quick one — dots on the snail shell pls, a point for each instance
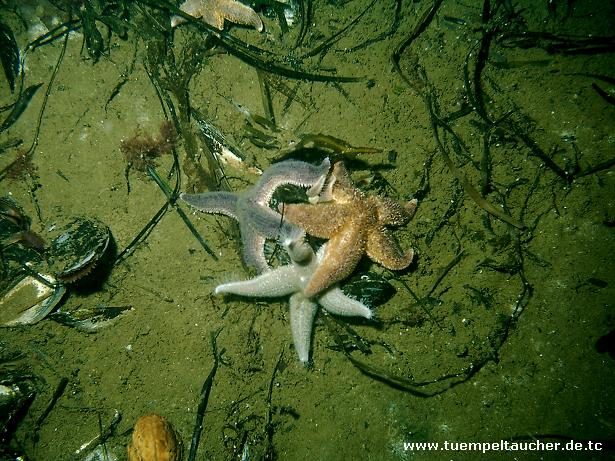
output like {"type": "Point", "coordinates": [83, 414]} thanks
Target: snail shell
{"type": "Point", "coordinates": [154, 439]}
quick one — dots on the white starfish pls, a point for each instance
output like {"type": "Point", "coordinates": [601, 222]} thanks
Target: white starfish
{"type": "Point", "coordinates": [291, 280]}
{"type": "Point", "coordinates": [215, 12]}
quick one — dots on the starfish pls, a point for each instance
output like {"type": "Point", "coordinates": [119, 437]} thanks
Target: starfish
{"type": "Point", "coordinates": [215, 12]}
{"type": "Point", "coordinates": [291, 280]}
{"type": "Point", "coordinates": [355, 224]}
{"type": "Point", "coordinates": [257, 221]}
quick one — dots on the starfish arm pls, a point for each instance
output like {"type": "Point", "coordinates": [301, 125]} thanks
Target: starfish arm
{"type": "Point", "coordinates": [281, 281]}
{"type": "Point", "coordinates": [298, 250]}
{"type": "Point", "coordinates": [263, 219]}
{"type": "Point", "coordinates": [293, 172]}
{"type": "Point", "coordinates": [238, 13]}
{"type": "Point", "coordinates": [336, 302]}
{"type": "Point", "coordinates": [326, 192]}
{"type": "Point", "coordinates": [382, 248]}
{"type": "Point", "coordinates": [392, 213]}
{"type": "Point", "coordinates": [342, 189]}
{"type": "Point", "coordinates": [321, 220]}
{"type": "Point", "coordinates": [213, 17]}
{"type": "Point", "coordinates": [342, 178]}
{"type": "Point", "coordinates": [191, 7]}
{"type": "Point", "coordinates": [253, 248]}
{"type": "Point", "coordinates": [213, 202]}
{"type": "Point", "coordinates": [343, 253]}
{"type": "Point", "coordinates": [302, 313]}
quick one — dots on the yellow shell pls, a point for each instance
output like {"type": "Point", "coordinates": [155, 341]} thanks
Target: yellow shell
{"type": "Point", "coordinates": [153, 439]}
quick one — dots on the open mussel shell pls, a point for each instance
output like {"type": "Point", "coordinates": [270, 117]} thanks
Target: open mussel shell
{"type": "Point", "coordinates": [29, 299]}
{"type": "Point", "coordinates": [78, 247]}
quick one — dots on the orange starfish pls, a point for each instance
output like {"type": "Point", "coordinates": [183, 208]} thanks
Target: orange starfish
{"type": "Point", "coordinates": [215, 12]}
{"type": "Point", "coordinates": [355, 224]}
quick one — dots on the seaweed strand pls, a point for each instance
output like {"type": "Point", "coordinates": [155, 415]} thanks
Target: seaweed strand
{"type": "Point", "coordinates": [204, 399]}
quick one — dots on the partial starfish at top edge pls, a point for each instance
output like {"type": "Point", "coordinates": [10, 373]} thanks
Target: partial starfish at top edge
{"type": "Point", "coordinates": [355, 224]}
{"type": "Point", "coordinates": [215, 12]}
{"type": "Point", "coordinates": [257, 221]}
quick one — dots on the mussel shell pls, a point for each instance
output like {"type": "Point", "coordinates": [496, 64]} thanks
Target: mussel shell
{"type": "Point", "coordinates": [88, 319]}
{"type": "Point", "coordinates": [370, 288]}
{"type": "Point", "coordinates": [29, 299]}
{"type": "Point", "coordinates": [16, 259]}
{"type": "Point", "coordinates": [77, 248]}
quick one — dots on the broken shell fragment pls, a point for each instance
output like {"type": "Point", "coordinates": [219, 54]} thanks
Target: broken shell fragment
{"type": "Point", "coordinates": [88, 319]}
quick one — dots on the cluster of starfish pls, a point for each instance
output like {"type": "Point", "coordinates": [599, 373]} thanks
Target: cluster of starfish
{"type": "Point", "coordinates": [354, 223]}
